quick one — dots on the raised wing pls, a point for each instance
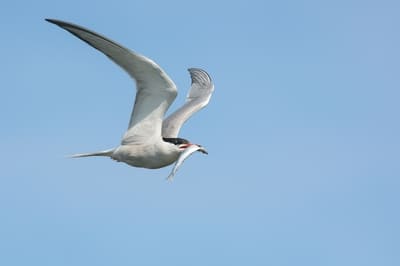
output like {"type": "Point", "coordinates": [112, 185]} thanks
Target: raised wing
{"type": "Point", "coordinates": [197, 98]}
{"type": "Point", "coordinates": [155, 90]}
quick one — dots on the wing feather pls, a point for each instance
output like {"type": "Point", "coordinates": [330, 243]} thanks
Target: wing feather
{"type": "Point", "coordinates": [198, 97]}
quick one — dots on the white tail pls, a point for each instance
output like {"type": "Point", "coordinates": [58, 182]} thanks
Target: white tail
{"type": "Point", "coordinates": [106, 153]}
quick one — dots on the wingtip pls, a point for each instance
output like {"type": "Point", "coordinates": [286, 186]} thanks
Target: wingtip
{"type": "Point", "coordinates": [51, 20]}
{"type": "Point", "coordinates": [58, 22]}
{"type": "Point", "coordinates": [199, 71]}
{"type": "Point", "coordinates": [199, 75]}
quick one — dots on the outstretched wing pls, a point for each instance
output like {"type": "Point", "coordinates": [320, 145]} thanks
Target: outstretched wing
{"type": "Point", "coordinates": [155, 90]}
{"type": "Point", "coordinates": [198, 97]}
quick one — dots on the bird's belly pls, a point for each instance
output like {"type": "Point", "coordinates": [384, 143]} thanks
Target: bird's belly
{"type": "Point", "coordinates": [144, 156]}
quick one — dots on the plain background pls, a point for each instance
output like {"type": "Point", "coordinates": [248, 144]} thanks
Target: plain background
{"type": "Point", "coordinates": [302, 133]}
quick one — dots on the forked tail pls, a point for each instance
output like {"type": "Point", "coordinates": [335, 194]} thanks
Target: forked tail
{"type": "Point", "coordinates": [106, 153]}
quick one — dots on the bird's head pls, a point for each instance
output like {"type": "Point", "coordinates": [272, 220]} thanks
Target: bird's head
{"type": "Point", "coordinates": [183, 144]}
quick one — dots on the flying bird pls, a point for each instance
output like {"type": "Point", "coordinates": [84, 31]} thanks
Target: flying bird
{"type": "Point", "coordinates": [150, 140]}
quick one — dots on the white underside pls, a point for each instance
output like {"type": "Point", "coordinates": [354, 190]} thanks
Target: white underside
{"type": "Point", "coordinates": [151, 155]}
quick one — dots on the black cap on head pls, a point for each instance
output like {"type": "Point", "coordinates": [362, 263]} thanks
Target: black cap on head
{"type": "Point", "coordinates": [176, 141]}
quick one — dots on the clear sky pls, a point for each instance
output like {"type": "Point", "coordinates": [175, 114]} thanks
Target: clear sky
{"type": "Point", "coordinates": [302, 133]}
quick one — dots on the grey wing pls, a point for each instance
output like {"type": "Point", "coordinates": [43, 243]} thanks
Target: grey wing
{"type": "Point", "coordinates": [155, 90]}
{"type": "Point", "coordinates": [198, 97]}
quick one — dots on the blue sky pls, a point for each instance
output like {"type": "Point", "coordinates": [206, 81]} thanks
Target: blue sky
{"type": "Point", "coordinates": [302, 133]}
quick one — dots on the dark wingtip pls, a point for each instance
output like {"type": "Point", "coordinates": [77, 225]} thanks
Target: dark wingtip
{"type": "Point", "coordinates": [199, 75]}
{"type": "Point", "coordinates": [54, 21]}
{"type": "Point", "coordinates": [57, 22]}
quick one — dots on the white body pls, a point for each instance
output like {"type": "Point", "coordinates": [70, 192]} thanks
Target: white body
{"type": "Point", "coordinates": [148, 155]}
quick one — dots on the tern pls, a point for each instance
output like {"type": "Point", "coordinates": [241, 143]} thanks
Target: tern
{"type": "Point", "coordinates": [150, 140]}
